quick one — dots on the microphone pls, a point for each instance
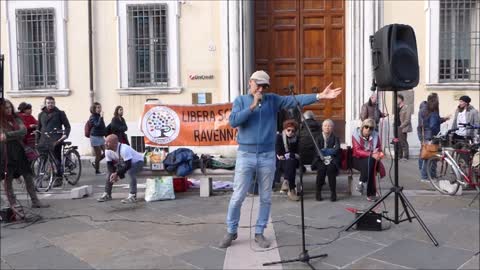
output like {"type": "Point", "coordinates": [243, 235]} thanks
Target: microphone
{"type": "Point", "coordinates": [290, 87]}
{"type": "Point", "coordinates": [260, 102]}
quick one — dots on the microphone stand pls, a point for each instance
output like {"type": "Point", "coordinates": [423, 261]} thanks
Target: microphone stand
{"type": "Point", "coordinates": [303, 256]}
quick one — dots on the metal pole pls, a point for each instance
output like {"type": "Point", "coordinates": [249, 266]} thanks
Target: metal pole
{"type": "Point", "coordinates": [90, 51]}
{"type": "Point", "coordinates": [395, 143]}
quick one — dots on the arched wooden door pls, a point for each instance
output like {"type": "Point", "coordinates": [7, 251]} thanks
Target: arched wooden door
{"type": "Point", "coordinates": [302, 42]}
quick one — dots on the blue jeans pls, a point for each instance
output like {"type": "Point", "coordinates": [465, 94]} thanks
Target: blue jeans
{"type": "Point", "coordinates": [422, 166]}
{"type": "Point", "coordinates": [246, 168]}
{"type": "Point", "coordinates": [132, 174]}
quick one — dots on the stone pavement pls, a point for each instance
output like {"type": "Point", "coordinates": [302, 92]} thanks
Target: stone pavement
{"type": "Point", "coordinates": [183, 233]}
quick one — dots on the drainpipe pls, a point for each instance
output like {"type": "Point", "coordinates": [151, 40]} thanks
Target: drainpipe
{"type": "Point", "coordinates": [90, 51]}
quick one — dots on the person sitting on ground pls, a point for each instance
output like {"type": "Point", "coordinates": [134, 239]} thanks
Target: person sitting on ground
{"type": "Point", "coordinates": [367, 153]}
{"type": "Point", "coordinates": [306, 147]}
{"type": "Point", "coordinates": [329, 145]}
{"type": "Point", "coordinates": [287, 155]}
{"type": "Point", "coordinates": [121, 159]}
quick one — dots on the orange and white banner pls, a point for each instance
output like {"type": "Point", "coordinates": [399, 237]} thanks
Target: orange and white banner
{"type": "Point", "coordinates": [192, 125]}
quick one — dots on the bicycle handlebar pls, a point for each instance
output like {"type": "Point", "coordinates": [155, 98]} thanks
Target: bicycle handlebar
{"type": "Point", "coordinates": [469, 126]}
{"type": "Point", "coordinates": [48, 133]}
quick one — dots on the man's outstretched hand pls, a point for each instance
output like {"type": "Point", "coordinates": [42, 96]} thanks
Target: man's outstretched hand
{"type": "Point", "coordinates": [329, 93]}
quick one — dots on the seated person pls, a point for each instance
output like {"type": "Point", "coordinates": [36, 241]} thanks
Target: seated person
{"type": "Point", "coordinates": [287, 156]}
{"type": "Point", "coordinates": [367, 153]}
{"type": "Point", "coordinates": [121, 159]}
{"type": "Point", "coordinates": [306, 147]}
{"type": "Point", "coordinates": [329, 145]}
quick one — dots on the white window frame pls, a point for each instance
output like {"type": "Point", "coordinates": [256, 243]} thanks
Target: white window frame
{"type": "Point", "coordinates": [432, 59]}
{"type": "Point", "coordinates": [61, 18]}
{"type": "Point", "coordinates": [173, 13]}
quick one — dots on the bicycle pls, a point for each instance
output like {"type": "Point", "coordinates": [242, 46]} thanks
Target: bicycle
{"type": "Point", "coordinates": [453, 169]}
{"type": "Point", "coordinates": [45, 167]}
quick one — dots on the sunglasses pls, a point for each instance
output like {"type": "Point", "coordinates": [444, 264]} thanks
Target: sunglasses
{"type": "Point", "coordinates": [290, 130]}
{"type": "Point", "coordinates": [368, 127]}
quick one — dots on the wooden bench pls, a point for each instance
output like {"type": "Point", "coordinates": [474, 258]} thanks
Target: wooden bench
{"type": "Point", "coordinates": [349, 174]}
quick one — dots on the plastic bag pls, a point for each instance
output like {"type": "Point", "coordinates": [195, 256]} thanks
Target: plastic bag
{"type": "Point", "coordinates": [159, 188]}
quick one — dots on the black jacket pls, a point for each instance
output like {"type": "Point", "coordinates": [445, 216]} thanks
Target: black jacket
{"type": "Point", "coordinates": [306, 146]}
{"type": "Point", "coordinates": [280, 148]}
{"type": "Point", "coordinates": [333, 143]}
{"type": "Point", "coordinates": [49, 120]}
{"type": "Point", "coordinates": [118, 126]}
{"type": "Point", "coordinates": [98, 125]}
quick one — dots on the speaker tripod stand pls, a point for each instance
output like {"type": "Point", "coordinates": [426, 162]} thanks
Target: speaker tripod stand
{"type": "Point", "coordinates": [304, 256]}
{"type": "Point", "coordinates": [396, 189]}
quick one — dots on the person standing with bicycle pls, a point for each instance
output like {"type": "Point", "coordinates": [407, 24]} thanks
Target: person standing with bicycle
{"type": "Point", "coordinates": [13, 161]}
{"type": "Point", "coordinates": [50, 120]}
{"type": "Point", "coordinates": [429, 122]}
{"type": "Point", "coordinates": [465, 114]}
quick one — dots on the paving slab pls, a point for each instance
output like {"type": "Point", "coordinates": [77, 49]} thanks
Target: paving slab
{"type": "Point", "coordinates": [473, 263]}
{"type": "Point", "coordinates": [4, 265]}
{"type": "Point", "coordinates": [165, 244]}
{"type": "Point", "coordinates": [345, 250]}
{"type": "Point", "coordinates": [60, 227]}
{"type": "Point", "coordinates": [370, 263]}
{"type": "Point", "coordinates": [94, 246]}
{"type": "Point", "coordinates": [50, 257]}
{"type": "Point", "coordinates": [245, 247]}
{"type": "Point", "coordinates": [458, 229]}
{"type": "Point", "coordinates": [422, 255]}
{"type": "Point", "coordinates": [16, 241]}
{"type": "Point", "coordinates": [142, 258]}
{"type": "Point", "coordinates": [204, 258]}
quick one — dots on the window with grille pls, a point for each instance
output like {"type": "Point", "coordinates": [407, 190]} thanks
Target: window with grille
{"type": "Point", "coordinates": [147, 45]}
{"type": "Point", "coordinates": [459, 41]}
{"type": "Point", "coordinates": [36, 48]}
{"type": "Point", "coordinates": [138, 143]}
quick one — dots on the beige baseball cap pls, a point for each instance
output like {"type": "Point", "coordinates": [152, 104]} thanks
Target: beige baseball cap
{"type": "Point", "coordinates": [260, 77]}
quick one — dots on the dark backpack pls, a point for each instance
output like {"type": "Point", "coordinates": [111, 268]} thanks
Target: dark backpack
{"type": "Point", "coordinates": [87, 128]}
{"type": "Point", "coordinates": [180, 161]}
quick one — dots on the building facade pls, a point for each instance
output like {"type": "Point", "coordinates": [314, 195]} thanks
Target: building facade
{"type": "Point", "coordinates": [174, 51]}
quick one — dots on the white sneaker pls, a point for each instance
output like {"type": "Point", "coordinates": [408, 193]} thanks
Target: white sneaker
{"type": "Point", "coordinates": [424, 180]}
{"type": "Point", "coordinates": [360, 187]}
{"type": "Point", "coordinates": [132, 198]}
{"type": "Point", "coordinates": [105, 197]}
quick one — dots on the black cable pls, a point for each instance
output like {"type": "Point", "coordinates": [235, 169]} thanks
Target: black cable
{"type": "Point", "coordinates": [37, 219]}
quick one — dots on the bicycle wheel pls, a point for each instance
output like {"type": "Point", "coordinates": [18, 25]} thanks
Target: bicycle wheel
{"type": "Point", "coordinates": [44, 171]}
{"type": "Point", "coordinates": [442, 175]}
{"type": "Point", "coordinates": [73, 167]}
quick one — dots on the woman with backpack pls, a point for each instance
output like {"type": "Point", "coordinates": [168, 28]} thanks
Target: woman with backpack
{"type": "Point", "coordinates": [118, 126]}
{"type": "Point", "coordinates": [97, 134]}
